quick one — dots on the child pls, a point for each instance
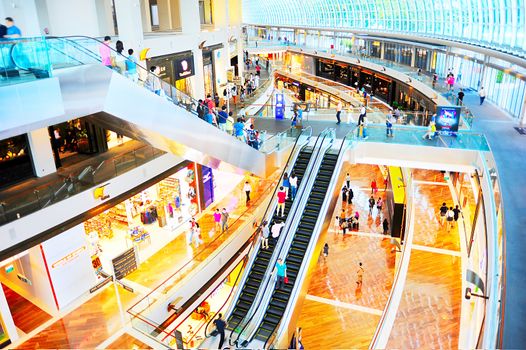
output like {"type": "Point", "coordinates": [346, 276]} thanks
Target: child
{"type": "Point", "coordinates": [325, 250]}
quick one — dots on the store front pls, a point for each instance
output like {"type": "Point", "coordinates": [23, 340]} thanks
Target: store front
{"type": "Point", "coordinates": [175, 69]}
{"type": "Point", "coordinates": [15, 160]}
{"type": "Point", "coordinates": [4, 337]}
{"type": "Point", "coordinates": [209, 68]}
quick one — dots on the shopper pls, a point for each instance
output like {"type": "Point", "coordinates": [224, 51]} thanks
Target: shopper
{"type": "Point", "coordinates": [339, 112]}
{"type": "Point", "coordinates": [379, 204]}
{"type": "Point", "coordinates": [443, 212]}
{"type": "Point", "coordinates": [344, 194]}
{"type": "Point", "coordinates": [374, 187]}
{"type": "Point", "coordinates": [210, 103]}
{"type": "Point", "coordinates": [460, 96]}
{"type": "Point", "coordinates": [120, 59]}
{"type": "Point", "coordinates": [220, 325]}
{"type": "Point", "coordinates": [431, 131]}
{"type": "Point", "coordinates": [247, 188]}
{"type": "Point", "coordinates": [364, 124]}
{"type": "Point", "coordinates": [385, 226]}
{"type": "Point", "coordinates": [265, 233]}
{"type": "Point", "coordinates": [296, 343]}
{"type": "Point", "coordinates": [252, 139]}
{"type": "Point", "coordinates": [210, 117]}
{"type": "Point", "coordinates": [217, 220]}
{"type": "Point", "coordinates": [281, 272]}
{"type": "Point", "coordinates": [201, 109]}
{"type": "Point", "coordinates": [396, 115]}
{"type": "Point", "coordinates": [239, 130]}
{"type": "Point", "coordinates": [286, 184]}
{"type": "Point", "coordinates": [348, 180]}
{"type": "Point", "coordinates": [222, 118]}
{"type": "Point", "coordinates": [197, 235]}
{"type": "Point", "coordinates": [216, 99]}
{"type": "Point", "coordinates": [131, 67]}
{"type": "Point", "coordinates": [224, 220]}
{"type": "Point", "coordinates": [388, 126]}
{"type": "Point", "coordinates": [152, 82]}
{"type": "Point", "coordinates": [371, 205]}
{"type": "Point", "coordinates": [276, 230]}
{"type": "Point", "coordinates": [456, 212]}
{"type": "Point", "coordinates": [3, 31]}
{"type": "Point", "coordinates": [282, 195]}
{"type": "Point", "coordinates": [350, 196]}
{"type": "Point", "coordinates": [482, 95]}
{"type": "Point", "coordinates": [325, 250]}
{"type": "Point", "coordinates": [105, 52]}
{"type": "Point", "coordinates": [13, 31]}
{"type": "Point", "coordinates": [293, 180]}
{"type": "Point", "coordinates": [359, 275]}
{"type": "Point", "coordinates": [450, 216]}
{"type": "Point", "coordinates": [190, 232]}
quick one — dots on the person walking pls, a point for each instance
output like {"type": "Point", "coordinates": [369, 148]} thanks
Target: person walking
{"type": "Point", "coordinates": [222, 118]}
{"type": "Point", "coordinates": [201, 108]}
{"type": "Point", "coordinates": [224, 220]}
{"type": "Point", "coordinates": [152, 81]}
{"type": "Point", "coordinates": [456, 212]}
{"type": "Point", "coordinates": [286, 184]}
{"type": "Point", "coordinates": [374, 187]}
{"type": "Point", "coordinates": [281, 272]}
{"type": "Point", "coordinates": [282, 195]}
{"type": "Point", "coordinates": [379, 204]}
{"type": "Point", "coordinates": [220, 325]}
{"type": "Point", "coordinates": [217, 100]}
{"type": "Point", "coordinates": [293, 180]}
{"type": "Point", "coordinates": [131, 67]}
{"type": "Point", "coordinates": [12, 31]}
{"type": "Point", "coordinates": [120, 59]}
{"type": "Point", "coordinates": [190, 233]}
{"type": "Point", "coordinates": [276, 230]}
{"type": "Point", "coordinates": [265, 233]}
{"type": "Point", "coordinates": [247, 188]}
{"type": "Point", "coordinates": [385, 226]}
{"type": "Point", "coordinates": [197, 235]}
{"type": "Point", "coordinates": [105, 52]}
{"type": "Point", "coordinates": [348, 180]}
{"type": "Point", "coordinates": [443, 212]}
{"type": "Point", "coordinates": [359, 275]}
{"type": "Point", "coordinates": [450, 216]}
{"type": "Point", "coordinates": [388, 126]}
{"type": "Point", "coordinates": [239, 130]}
{"type": "Point", "coordinates": [431, 131]}
{"type": "Point", "coordinates": [350, 196]}
{"type": "Point", "coordinates": [217, 220]}
{"type": "Point", "coordinates": [482, 95]}
{"type": "Point", "coordinates": [339, 108]}
{"type": "Point", "coordinates": [344, 194]}
{"type": "Point", "coordinates": [460, 96]}
{"type": "Point", "coordinates": [371, 205]}
{"type": "Point", "coordinates": [325, 250]}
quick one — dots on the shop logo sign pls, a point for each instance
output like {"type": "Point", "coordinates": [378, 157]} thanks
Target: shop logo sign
{"type": "Point", "coordinates": [98, 193]}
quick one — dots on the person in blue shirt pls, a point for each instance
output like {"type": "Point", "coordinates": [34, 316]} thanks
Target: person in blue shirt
{"type": "Point", "coordinates": [131, 67]}
{"type": "Point", "coordinates": [281, 271]}
{"type": "Point", "coordinates": [210, 118]}
{"type": "Point", "coordinates": [12, 30]}
{"type": "Point", "coordinates": [222, 117]}
{"type": "Point", "coordinates": [239, 130]}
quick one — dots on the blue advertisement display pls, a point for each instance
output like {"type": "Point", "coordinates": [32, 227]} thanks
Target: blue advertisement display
{"type": "Point", "coordinates": [280, 106]}
{"type": "Point", "coordinates": [447, 119]}
{"type": "Point", "coordinates": [208, 185]}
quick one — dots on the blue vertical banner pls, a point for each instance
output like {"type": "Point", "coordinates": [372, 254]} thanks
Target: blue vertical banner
{"type": "Point", "coordinates": [208, 185]}
{"type": "Point", "coordinates": [280, 106]}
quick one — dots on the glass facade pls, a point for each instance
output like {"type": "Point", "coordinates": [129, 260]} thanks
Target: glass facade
{"type": "Point", "coordinates": [493, 23]}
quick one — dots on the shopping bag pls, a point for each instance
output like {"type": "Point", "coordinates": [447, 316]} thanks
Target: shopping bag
{"type": "Point", "coordinates": [286, 280]}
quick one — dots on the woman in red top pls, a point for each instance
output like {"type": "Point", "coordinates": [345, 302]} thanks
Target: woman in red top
{"type": "Point", "coordinates": [374, 187]}
{"type": "Point", "coordinates": [281, 201]}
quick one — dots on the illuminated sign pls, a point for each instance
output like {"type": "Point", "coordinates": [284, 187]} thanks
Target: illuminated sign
{"type": "Point", "coordinates": [98, 193]}
{"type": "Point", "coordinates": [9, 268]}
{"type": "Point", "coordinates": [447, 119]}
{"type": "Point", "coordinates": [184, 67]}
{"type": "Point", "coordinates": [71, 256]}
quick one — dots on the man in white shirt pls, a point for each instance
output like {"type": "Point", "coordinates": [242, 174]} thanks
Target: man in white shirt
{"type": "Point", "coordinates": [482, 95]}
{"type": "Point", "coordinates": [293, 180]}
{"type": "Point", "coordinates": [276, 229]}
{"type": "Point", "coordinates": [339, 111]}
{"type": "Point", "coordinates": [247, 188]}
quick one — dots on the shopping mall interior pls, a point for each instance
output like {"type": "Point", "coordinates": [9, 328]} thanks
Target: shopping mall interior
{"type": "Point", "coordinates": [248, 174]}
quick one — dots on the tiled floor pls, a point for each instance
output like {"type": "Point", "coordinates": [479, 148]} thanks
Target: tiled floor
{"type": "Point", "coordinates": [127, 341]}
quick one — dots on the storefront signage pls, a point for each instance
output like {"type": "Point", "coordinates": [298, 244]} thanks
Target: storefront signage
{"type": "Point", "coordinates": [24, 279]}
{"type": "Point", "coordinates": [208, 185]}
{"type": "Point", "coordinates": [98, 193]}
{"type": "Point", "coordinates": [184, 67]}
{"type": "Point", "coordinates": [71, 256]}
{"type": "Point", "coordinates": [280, 106]}
{"type": "Point", "coordinates": [9, 268]}
{"type": "Point", "coordinates": [447, 119]}
{"type": "Point", "coordinates": [124, 264]}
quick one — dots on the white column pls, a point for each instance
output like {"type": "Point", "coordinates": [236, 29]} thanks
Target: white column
{"type": "Point", "coordinates": [129, 22]}
{"type": "Point", "coordinates": [413, 56]}
{"type": "Point", "coordinates": [522, 122]}
{"type": "Point", "coordinates": [190, 19]}
{"type": "Point", "coordinates": [198, 80]}
{"type": "Point", "coordinates": [5, 313]}
{"type": "Point", "coordinates": [41, 152]}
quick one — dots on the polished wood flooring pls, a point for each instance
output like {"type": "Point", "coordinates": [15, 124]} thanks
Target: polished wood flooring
{"type": "Point", "coordinates": [127, 341]}
{"type": "Point", "coordinates": [26, 315]}
{"type": "Point", "coordinates": [177, 253]}
{"type": "Point", "coordinates": [85, 327]}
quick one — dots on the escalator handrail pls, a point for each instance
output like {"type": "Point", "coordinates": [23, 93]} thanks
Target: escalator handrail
{"type": "Point", "coordinates": [305, 132]}
{"type": "Point", "coordinates": [284, 235]}
{"type": "Point", "coordinates": [311, 245]}
{"type": "Point", "coordinates": [272, 205]}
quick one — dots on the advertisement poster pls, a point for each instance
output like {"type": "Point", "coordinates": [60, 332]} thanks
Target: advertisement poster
{"type": "Point", "coordinates": [448, 119]}
{"type": "Point", "coordinates": [184, 67]}
{"type": "Point", "coordinates": [208, 185]}
{"type": "Point", "coordinates": [280, 106]}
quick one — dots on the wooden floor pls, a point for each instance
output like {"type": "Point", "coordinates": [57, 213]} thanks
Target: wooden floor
{"type": "Point", "coordinates": [26, 315]}
{"type": "Point", "coordinates": [429, 312]}
{"type": "Point", "coordinates": [177, 253]}
{"type": "Point", "coordinates": [127, 341]}
{"type": "Point", "coordinates": [336, 313]}
{"type": "Point", "coordinates": [85, 327]}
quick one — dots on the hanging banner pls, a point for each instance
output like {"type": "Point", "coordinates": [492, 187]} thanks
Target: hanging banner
{"type": "Point", "coordinates": [280, 106]}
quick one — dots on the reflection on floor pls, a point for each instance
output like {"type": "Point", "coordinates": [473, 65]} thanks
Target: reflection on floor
{"type": "Point", "coordinates": [26, 315]}
{"type": "Point", "coordinates": [87, 326]}
{"type": "Point", "coordinates": [127, 341]}
{"type": "Point", "coordinates": [350, 313]}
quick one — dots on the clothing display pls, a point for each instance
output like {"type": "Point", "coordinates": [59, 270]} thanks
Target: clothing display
{"type": "Point", "coordinates": [149, 215]}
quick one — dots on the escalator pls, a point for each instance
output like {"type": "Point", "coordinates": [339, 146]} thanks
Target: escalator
{"type": "Point", "coordinates": [298, 248]}
{"type": "Point", "coordinates": [86, 88]}
{"type": "Point", "coordinates": [263, 257]}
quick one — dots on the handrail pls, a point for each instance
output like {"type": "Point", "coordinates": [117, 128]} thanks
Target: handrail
{"type": "Point", "coordinates": [389, 313]}
{"type": "Point", "coordinates": [283, 236]}
{"type": "Point", "coordinates": [312, 243]}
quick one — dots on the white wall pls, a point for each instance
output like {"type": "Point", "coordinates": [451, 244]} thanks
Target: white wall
{"type": "Point", "coordinates": [24, 13]}
{"type": "Point", "coordinates": [69, 264]}
{"type": "Point", "coordinates": [7, 318]}
{"type": "Point", "coordinates": [73, 17]}
{"type": "Point", "coordinates": [41, 152]}
{"type": "Point", "coordinates": [31, 266]}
